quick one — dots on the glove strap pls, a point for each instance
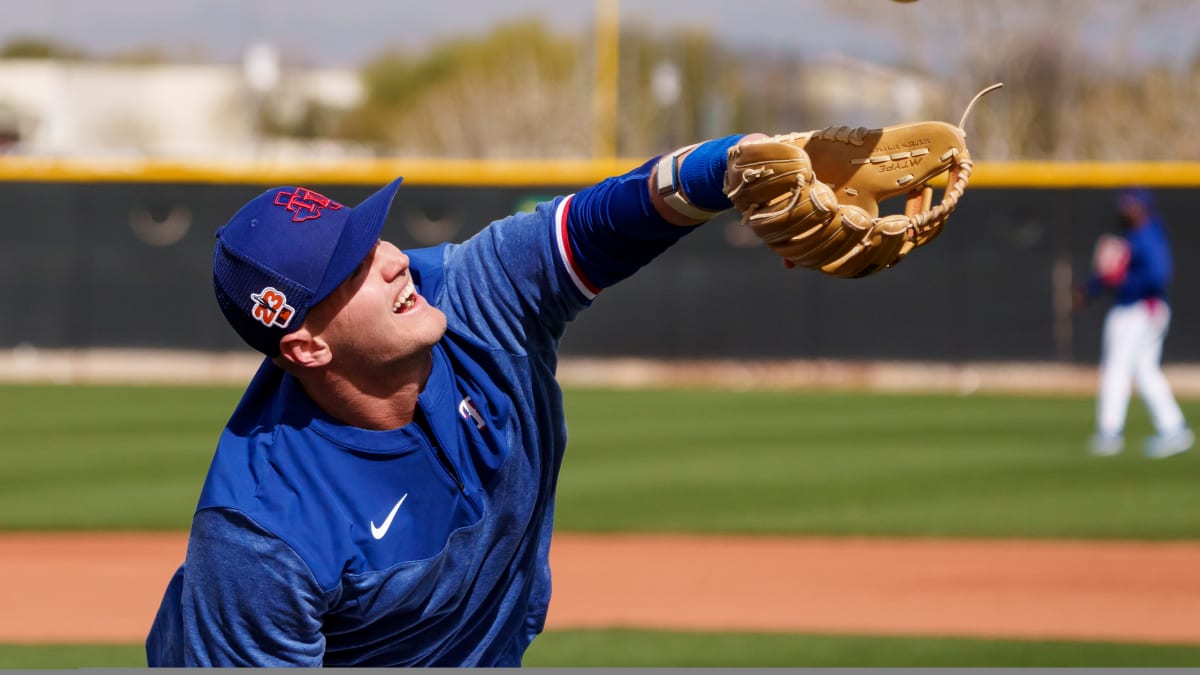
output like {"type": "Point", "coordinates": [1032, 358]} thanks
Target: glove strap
{"type": "Point", "coordinates": [667, 185]}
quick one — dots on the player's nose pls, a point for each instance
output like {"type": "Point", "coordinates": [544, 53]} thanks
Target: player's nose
{"type": "Point", "coordinates": [395, 261]}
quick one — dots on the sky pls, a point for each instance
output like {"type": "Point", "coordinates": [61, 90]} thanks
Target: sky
{"type": "Point", "coordinates": [356, 30]}
{"type": "Point", "coordinates": [348, 32]}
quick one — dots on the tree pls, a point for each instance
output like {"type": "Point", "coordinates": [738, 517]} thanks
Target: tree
{"type": "Point", "coordinates": [519, 91]}
{"type": "Point", "coordinates": [32, 47]}
{"type": "Point", "coordinates": [1065, 98]}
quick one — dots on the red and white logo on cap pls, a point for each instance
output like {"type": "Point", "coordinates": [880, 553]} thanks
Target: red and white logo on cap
{"type": "Point", "coordinates": [271, 308]}
{"type": "Point", "coordinates": [305, 204]}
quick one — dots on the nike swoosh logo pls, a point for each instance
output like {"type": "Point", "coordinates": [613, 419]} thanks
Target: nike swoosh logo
{"type": "Point", "coordinates": [381, 530]}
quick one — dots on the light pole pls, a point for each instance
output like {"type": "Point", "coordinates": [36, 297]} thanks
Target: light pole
{"type": "Point", "coordinates": [260, 67]}
{"type": "Point", "coordinates": [607, 67]}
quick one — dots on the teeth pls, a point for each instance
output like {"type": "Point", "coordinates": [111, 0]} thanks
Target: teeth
{"type": "Point", "coordinates": [408, 297]}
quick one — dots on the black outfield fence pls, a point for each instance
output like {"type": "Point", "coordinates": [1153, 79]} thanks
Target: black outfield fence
{"type": "Point", "coordinates": [123, 260]}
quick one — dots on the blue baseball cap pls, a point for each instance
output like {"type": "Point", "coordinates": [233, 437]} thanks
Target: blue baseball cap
{"type": "Point", "coordinates": [286, 250]}
{"type": "Point", "coordinates": [1138, 194]}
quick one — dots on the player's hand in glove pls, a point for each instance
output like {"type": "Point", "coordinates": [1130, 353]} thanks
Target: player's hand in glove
{"type": "Point", "coordinates": [814, 197]}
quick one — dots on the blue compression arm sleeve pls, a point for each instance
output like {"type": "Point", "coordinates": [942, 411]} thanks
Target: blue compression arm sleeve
{"type": "Point", "coordinates": [702, 173]}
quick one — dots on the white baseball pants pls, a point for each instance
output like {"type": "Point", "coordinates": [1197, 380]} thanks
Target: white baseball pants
{"type": "Point", "coordinates": [1131, 355]}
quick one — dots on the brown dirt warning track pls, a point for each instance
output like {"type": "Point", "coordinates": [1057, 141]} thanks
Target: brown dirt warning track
{"type": "Point", "coordinates": [105, 588]}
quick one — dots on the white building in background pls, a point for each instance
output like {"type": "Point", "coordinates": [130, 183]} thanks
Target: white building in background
{"type": "Point", "coordinates": [82, 108]}
{"type": "Point", "coordinates": [860, 93]}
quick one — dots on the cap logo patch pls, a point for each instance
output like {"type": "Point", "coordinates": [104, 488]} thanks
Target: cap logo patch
{"type": "Point", "coordinates": [271, 308]}
{"type": "Point", "coordinates": [305, 204]}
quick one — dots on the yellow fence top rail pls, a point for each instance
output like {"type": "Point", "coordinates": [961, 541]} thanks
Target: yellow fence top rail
{"type": "Point", "coordinates": [499, 173]}
{"type": "Point", "coordinates": [519, 173]}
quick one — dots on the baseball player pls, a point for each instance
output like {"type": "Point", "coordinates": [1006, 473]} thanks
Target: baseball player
{"type": "Point", "coordinates": [1136, 267]}
{"type": "Point", "coordinates": [383, 494]}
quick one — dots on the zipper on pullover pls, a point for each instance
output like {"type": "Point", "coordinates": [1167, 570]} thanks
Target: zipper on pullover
{"type": "Point", "coordinates": [438, 452]}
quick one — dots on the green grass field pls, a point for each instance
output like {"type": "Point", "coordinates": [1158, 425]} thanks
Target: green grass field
{"type": "Point", "coordinates": [804, 463]}
{"type": "Point", "coordinates": [650, 649]}
{"type": "Point", "coordinates": [87, 458]}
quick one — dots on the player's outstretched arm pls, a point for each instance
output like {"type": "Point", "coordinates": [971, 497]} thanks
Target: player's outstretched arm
{"type": "Point", "coordinates": [519, 281]}
{"type": "Point", "coordinates": [619, 225]}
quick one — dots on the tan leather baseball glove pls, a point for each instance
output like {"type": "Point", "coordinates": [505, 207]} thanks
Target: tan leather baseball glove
{"type": "Point", "coordinates": [814, 197]}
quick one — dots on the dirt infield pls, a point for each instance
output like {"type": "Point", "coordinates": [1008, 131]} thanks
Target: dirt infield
{"type": "Point", "coordinates": [105, 588]}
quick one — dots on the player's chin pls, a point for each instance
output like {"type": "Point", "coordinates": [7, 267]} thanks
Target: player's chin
{"type": "Point", "coordinates": [423, 323]}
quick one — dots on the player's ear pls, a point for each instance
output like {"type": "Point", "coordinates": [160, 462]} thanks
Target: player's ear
{"type": "Point", "coordinates": [302, 348]}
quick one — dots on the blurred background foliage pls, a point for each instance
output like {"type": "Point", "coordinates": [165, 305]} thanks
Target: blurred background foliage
{"type": "Point", "coordinates": [526, 90]}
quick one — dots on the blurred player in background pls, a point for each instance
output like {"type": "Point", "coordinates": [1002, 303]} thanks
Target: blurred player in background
{"type": "Point", "coordinates": [1136, 268]}
{"type": "Point", "coordinates": [383, 494]}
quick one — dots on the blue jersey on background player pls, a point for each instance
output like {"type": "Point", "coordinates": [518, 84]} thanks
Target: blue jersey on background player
{"type": "Point", "coordinates": [383, 494]}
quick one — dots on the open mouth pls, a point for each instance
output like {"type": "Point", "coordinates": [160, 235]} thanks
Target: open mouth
{"type": "Point", "coordinates": [406, 301]}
